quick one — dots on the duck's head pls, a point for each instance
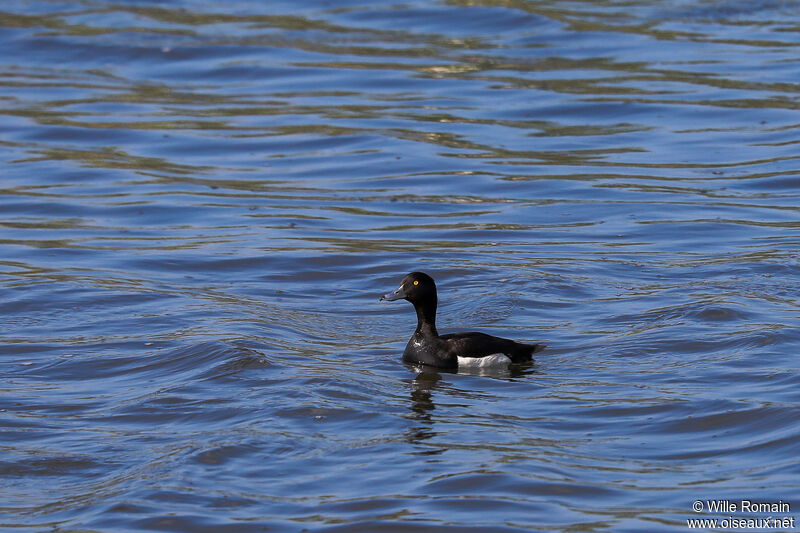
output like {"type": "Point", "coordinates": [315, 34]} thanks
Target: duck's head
{"type": "Point", "coordinates": [416, 287]}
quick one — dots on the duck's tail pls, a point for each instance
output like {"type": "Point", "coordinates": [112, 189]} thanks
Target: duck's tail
{"type": "Point", "coordinates": [524, 352]}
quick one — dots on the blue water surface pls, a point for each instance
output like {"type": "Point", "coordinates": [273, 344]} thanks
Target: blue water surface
{"type": "Point", "coordinates": [201, 202]}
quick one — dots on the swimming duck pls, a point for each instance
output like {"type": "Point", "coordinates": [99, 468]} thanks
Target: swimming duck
{"type": "Point", "coordinates": [447, 351]}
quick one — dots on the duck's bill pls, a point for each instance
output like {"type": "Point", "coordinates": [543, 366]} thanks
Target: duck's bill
{"type": "Point", "coordinates": [398, 294]}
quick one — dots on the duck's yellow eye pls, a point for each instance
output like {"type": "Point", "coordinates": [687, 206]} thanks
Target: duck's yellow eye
{"type": "Point", "coordinates": [416, 282]}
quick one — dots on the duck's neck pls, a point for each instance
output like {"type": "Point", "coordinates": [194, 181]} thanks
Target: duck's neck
{"type": "Point", "coordinates": [426, 318]}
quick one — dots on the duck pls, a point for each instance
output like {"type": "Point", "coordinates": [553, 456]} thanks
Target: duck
{"type": "Point", "coordinates": [471, 348]}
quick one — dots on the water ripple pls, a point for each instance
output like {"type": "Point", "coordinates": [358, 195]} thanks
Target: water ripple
{"type": "Point", "coordinates": [203, 203]}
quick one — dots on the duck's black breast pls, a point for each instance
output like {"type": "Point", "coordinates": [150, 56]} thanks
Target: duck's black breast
{"type": "Point", "coordinates": [429, 350]}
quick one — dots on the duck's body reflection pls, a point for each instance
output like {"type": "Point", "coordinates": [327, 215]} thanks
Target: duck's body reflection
{"type": "Point", "coordinates": [430, 381]}
{"type": "Point", "coordinates": [422, 406]}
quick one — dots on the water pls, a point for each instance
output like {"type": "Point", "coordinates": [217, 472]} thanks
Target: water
{"type": "Point", "coordinates": [202, 202]}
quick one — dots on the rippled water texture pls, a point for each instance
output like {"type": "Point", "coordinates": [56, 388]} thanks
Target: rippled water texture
{"type": "Point", "coordinates": [202, 202]}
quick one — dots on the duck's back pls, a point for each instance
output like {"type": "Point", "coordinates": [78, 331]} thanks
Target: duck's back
{"type": "Point", "coordinates": [477, 344]}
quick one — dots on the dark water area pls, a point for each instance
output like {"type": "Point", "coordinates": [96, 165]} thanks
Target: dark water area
{"type": "Point", "coordinates": [202, 201]}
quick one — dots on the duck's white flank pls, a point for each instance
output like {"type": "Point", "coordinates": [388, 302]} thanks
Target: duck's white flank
{"type": "Point", "coordinates": [494, 360]}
